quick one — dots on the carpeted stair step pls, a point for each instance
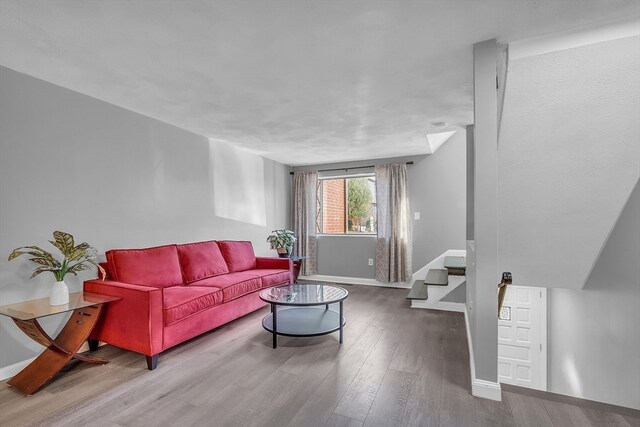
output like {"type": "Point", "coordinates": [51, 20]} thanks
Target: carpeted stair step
{"type": "Point", "coordinates": [419, 290]}
{"type": "Point", "coordinates": [437, 277]}
{"type": "Point", "coordinates": [456, 265]}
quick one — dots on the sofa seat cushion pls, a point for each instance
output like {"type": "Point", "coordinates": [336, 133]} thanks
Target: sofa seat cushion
{"type": "Point", "coordinates": [239, 255]}
{"type": "Point", "coordinates": [158, 267]}
{"type": "Point", "coordinates": [180, 302]}
{"type": "Point", "coordinates": [201, 260]}
{"type": "Point", "coordinates": [272, 276]}
{"type": "Point", "coordinates": [233, 285]}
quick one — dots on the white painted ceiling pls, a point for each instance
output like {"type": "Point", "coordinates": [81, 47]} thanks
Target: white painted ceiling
{"type": "Point", "coordinates": [300, 82]}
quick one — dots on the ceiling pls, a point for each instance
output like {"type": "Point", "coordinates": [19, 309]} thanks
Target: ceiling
{"type": "Point", "coordinates": [299, 82]}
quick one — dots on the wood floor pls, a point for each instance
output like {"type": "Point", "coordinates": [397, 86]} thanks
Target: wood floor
{"type": "Point", "coordinates": [397, 367]}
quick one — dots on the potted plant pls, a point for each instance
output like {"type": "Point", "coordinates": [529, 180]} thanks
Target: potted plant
{"type": "Point", "coordinates": [76, 258]}
{"type": "Point", "coordinates": [282, 241]}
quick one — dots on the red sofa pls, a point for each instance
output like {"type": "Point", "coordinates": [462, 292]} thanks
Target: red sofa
{"type": "Point", "coordinates": [173, 293]}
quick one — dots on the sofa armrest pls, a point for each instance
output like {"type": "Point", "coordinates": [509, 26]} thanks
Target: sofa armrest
{"type": "Point", "coordinates": [134, 322]}
{"type": "Point", "coordinates": [279, 263]}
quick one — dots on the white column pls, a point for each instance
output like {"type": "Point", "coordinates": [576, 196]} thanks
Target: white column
{"type": "Point", "coordinates": [484, 330]}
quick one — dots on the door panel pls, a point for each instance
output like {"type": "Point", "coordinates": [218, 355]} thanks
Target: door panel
{"type": "Point", "coordinates": [520, 335]}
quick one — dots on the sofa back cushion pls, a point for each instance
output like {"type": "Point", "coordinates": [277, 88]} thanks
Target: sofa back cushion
{"type": "Point", "coordinates": [158, 267]}
{"type": "Point", "coordinates": [201, 260]}
{"type": "Point", "coordinates": [239, 255]}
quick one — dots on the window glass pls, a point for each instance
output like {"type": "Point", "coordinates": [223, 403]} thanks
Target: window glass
{"type": "Point", "coordinates": [348, 205]}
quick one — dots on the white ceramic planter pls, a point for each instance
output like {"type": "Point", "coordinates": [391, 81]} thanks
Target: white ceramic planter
{"type": "Point", "coordinates": [59, 294]}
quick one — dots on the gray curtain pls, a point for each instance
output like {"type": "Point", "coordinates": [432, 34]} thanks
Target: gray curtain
{"type": "Point", "coordinates": [305, 191]}
{"type": "Point", "coordinates": [393, 247]}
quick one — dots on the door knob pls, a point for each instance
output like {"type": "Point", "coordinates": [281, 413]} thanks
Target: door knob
{"type": "Point", "coordinates": [502, 289]}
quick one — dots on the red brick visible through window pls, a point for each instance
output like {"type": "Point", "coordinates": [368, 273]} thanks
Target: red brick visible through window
{"type": "Point", "coordinates": [334, 205]}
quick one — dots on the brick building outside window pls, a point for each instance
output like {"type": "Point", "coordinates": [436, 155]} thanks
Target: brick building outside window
{"type": "Point", "coordinates": [348, 205]}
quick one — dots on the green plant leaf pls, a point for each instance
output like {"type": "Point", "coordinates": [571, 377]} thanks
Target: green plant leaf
{"type": "Point", "coordinates": [78, 267]}
{"type": "Point", "coordinates": [34, 251]}
{"type": "Point", "coordinates": [45, 255]}
{"type": "Point", "coordinates": [20, 251]}
{"type": "Point", "coordinates": [15, 253]}
{"type": "Point", "coordinates": [43, 261]}
{"type": "Point", "coordinates": [41, 255]}
{"type": "Point", "coordinates": [84, 246]}
{"type": "Point", "coordinates": [54, 243]}
{"type": "Point", "coordinates": [64, 242]}
{"type": "Point", "coordinates": [41, 270]}
{"type": "Point", "coordinates": [281, 239]}
{"type": "Point", "coordinates": [78, 253]}
{"type": "Point", "coordinates": [36, 248]}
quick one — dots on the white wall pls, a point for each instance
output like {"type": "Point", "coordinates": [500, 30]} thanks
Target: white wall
{"type": "Point", "coordinates": [594, 342]}
{"type": "Point", "coordinates": [568, 159]}
{"type": "Point", "coordinates": [112, 178]}
{"type": "Point", "coordinates": [436, 190]}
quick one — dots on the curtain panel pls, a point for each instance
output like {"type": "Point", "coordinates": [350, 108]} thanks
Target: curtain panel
{"type": "Point", "coordinates": [393, 247]}
{"type": "Point", "coordinates": [305, 195]}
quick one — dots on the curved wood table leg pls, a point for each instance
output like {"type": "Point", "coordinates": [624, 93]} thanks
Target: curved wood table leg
{"type": "Point", "coordinates": [59, 351]}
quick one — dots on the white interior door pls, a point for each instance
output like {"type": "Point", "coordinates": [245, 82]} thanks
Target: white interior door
{"type": "Point", "coordinates": [522, 336]}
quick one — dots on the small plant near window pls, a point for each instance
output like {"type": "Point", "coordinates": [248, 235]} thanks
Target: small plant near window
{"type": "Point", "coordinates": [282, 241]}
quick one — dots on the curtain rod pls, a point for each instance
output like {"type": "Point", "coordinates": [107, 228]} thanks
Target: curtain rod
{"type": "Point", "coordinates": [348, 169]}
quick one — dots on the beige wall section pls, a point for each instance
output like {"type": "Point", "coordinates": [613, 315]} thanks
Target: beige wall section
{"type": "Point", "coordinates": [115, 179]}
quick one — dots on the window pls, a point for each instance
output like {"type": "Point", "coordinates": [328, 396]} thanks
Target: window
{"type": "Point", "coordinates": [347, 205]}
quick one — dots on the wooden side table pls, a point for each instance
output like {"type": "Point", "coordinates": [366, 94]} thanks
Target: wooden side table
{"type": "Point", "coordinates": [297, 264]}
{"type": "Point", "coordinates": [86, 309]}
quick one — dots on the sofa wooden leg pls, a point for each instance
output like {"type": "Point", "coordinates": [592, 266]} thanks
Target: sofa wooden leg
{"type": "Point", "coordinates": [93, 344]}
{"type": "Point", "coordinates": [152, 362]}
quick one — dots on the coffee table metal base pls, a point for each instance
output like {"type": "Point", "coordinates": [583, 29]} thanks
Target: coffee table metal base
{"type": "Point", "coordinates": [303, 322]}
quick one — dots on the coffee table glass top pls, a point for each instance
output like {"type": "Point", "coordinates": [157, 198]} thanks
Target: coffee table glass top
{"type": "Point", "coordinates": [304, 294]}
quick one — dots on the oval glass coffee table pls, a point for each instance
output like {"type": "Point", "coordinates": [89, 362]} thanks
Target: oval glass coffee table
{"type": "Point", "coordinates": [303, 310]}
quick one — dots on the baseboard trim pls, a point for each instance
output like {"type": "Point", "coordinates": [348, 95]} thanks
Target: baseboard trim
{"type": "Point", "coordinates": [458, 307]}
{"type": "Point", "coordinates": [572, 400]}
{"type": "Point", "coordinates": [486, 389]}
{"type": "Point", "coordinates": [7, 372]}
{"type": "Point", "coordinates": [480, 388]}
{"type": "Point", "coordinates": [354, 281]}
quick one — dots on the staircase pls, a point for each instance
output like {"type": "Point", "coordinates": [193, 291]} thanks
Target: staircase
{"type": "Point", "coordinates": [438, 297]}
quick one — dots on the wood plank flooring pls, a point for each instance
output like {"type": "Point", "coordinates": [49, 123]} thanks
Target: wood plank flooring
{"type": "Point", "coordinates": [397, 367]}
